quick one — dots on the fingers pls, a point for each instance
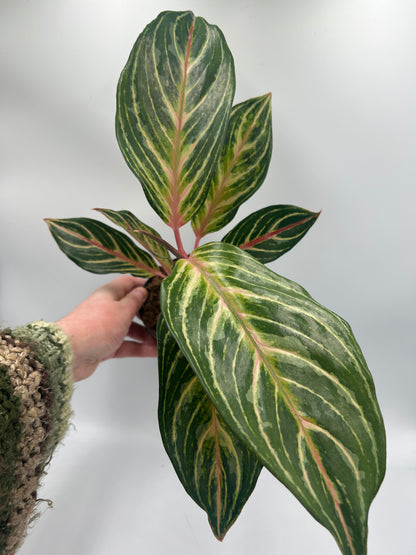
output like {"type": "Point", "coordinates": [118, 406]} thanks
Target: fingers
{"type": "Point", "coordinates": [139, 333]}
{"type": "Point", "coordinates": [132, 302]}
{"type": "Point", "coordinates": [144, 345]}
{"type": "Point", "coordinates": [128, 292]}
{"type": "Point", "coordinates": [122, 286]}
{"type": "Point", "coordinates": [134, 349]}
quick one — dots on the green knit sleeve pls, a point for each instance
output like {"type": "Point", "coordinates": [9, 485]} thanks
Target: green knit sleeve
{"type": "Point", "coordinates": [54, 352]}
{"type": "Point", "coordinates": [35, 392]}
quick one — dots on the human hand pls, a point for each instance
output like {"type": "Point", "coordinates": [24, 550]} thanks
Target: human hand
{"type": "Point", "coordinates": [97, 328]}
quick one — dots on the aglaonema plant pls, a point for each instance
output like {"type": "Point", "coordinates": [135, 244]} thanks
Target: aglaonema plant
{"type": "Point", "coordinates": [253, 371]}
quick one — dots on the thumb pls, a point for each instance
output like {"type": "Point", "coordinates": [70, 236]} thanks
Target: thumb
{"type": "Point", "coordinates": [134, 300]}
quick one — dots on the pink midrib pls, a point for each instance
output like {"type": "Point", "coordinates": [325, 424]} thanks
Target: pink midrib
{"type": "Point", "coordinates": [176, 219]}
{"type": "Point", "coordinates": [117, 254]}
{"type": "Point", "coordinates": [302, 422]}
{"type": "Point", "coordinates": [272, 234]}
{"type": "Point", "coordinates": [217, 467]}
{"type": "Point", "coordinates": [225, 179]}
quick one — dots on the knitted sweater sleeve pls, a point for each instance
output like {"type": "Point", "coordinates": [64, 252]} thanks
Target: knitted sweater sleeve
{"type": "Point", "coordinates": [35, 392]}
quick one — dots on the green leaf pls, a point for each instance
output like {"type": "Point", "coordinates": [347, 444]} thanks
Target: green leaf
{"type": "Point", "coordinates": [216, 469]}
{"type": "Point", "coordinates": [100, 249]}
{"type": "Point", "coordinates": [242, 167]}
{"type": "Point", "coordinates": [289, 378]}
{"type": "Point", "coordinates": [135, 228]}
{"type": "Point", "coordinates": [173, 105]}
{"type": "Point", "coordinates": [270, 232]}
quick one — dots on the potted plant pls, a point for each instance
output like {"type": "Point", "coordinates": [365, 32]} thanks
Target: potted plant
{"type": "Point", "coordinates": [253, 372]}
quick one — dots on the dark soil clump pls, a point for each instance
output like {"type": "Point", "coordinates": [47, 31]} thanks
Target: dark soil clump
{"type": "Point", "coordinates": [150, 311]}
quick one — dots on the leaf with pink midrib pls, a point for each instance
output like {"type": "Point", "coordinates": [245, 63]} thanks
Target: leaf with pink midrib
{"type": "Point", "coordinates": [288, 377]}
{"type": "Point", "coordinates": [174, 100]}
{"type": "Point", "coordinates": [271, 232]}
{"type": "Point", "coordinates": [217, 470]}
{"type": "Point", "coordinates": [100, 249]}
{"type": "Point", "coordinates": [242, 166]}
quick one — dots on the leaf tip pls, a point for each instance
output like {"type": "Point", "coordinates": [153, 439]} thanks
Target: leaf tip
{"type": "Point", "coordinates": [218, 533]}
{"type": "Point", "coordinates": [101, 211]}
{"type": "Point", "coordinates": [268, 97]}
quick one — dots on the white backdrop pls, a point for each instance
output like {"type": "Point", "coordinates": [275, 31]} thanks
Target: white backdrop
{"type": "Point", "coordinates": [343, 79]}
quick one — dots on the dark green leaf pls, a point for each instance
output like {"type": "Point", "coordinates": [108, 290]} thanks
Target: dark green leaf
{"type": "Point", "coordinates": [242, 166]}
{"type": "Point", "coordinates": [217, 470]}
{"type": "Point", "coordinates": [100, 249]}
{"type": "Point", "coordinates": [270, 232]}
{"type": "Point", "coordinates": [288, 377]}
{"type": "Point", "coordinates": [173, 105]}
{"type": "Point", "coordinates": [135, 228]}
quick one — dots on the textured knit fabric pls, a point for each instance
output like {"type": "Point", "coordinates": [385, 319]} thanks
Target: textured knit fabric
{"type": "Point", "coordinates": [35, 393]}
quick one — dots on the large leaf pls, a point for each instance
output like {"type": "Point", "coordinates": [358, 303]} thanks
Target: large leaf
{"type": "Point", "coordinates": [217, 470]}
{"type": "Point", "coordinates": [135, 228]}
{"type": "Point", "coordinates": [242, 166]}
{"type": "Point", "coordinates": [173, 104]}
{"type": "Point", "coordinates": [100, 249]}
{"type": "Point", "coordinates": [288, 377]}
{"type": "Point", "coordinates": [270, 232]}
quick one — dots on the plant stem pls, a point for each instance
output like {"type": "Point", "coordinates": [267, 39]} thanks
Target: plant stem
{"type": "Point", "coordinates": [179, 243]}
{"type": "Point", "coordinates": [168, 246]}
{"type": "Point", "coordinates": [197, 240]}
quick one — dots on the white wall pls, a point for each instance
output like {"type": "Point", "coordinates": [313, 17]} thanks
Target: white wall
{"type": "Point", "coordinates": [344, 82]}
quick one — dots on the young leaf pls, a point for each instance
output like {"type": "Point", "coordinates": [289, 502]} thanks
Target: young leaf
{"type": "Point", "coordinates": [288, 377]}
{"type": "Point", "coordinates": [242, 166]}
{"type": "Point", "coordinates": [174, 100]}
{"type": "Point", "coordinates": [100, 249]}
{"type": "Point", "coordinates": [270, 232]}
{"type": "Point", "coordinates": [135, 228]}
{"type": "Point", "coordinates": [216, 469]}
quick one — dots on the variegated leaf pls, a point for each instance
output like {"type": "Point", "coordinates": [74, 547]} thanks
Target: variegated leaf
{"type": "Point", "coordinates": [242, 166]}
{"type": "Point", "coordinates": [173, 105]}
{"type": "Point", "coordinates": [135, 227]}
{"type": "Point", "coordinates": [288, 376]}
{"type": "Point", "coordinates": [270, 232]}
{"type": "Point", "coordinates": [100, 249]}
{"type": "Point", "coordinates": [216, 469]}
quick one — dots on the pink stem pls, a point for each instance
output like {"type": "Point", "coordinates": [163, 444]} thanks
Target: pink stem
{"type": "Point", "coordinates": [179, 243]}
{"type": "Point", "coordinates": [197, 240]}
{"type": "Point", "coordinates": [271, 234]}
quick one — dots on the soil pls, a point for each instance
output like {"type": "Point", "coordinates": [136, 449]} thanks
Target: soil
{"type": "Point", "coordinates": [150, 311]}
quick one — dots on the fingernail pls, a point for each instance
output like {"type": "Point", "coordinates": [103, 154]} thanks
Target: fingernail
{"type": "Point", "coordinates": [141, 291]}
